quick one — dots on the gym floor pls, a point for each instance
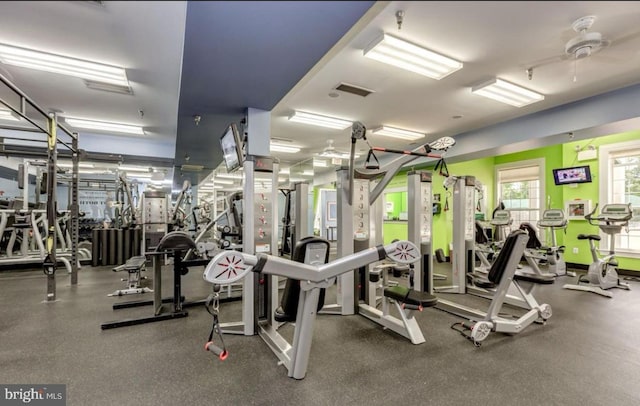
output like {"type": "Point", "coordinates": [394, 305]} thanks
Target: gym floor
{"type": "Point", "coordinates": [586, 354]}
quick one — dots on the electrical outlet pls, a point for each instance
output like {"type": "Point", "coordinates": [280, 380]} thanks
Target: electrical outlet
{"type": "Point", "coordinates": [575, 250]}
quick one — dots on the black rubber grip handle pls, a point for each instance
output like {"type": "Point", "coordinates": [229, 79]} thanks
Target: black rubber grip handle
{"type": "Point", "coordinates": [217, 351]}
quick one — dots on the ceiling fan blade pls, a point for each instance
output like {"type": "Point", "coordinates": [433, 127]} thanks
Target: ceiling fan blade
{"type": "Point", "coordinates": [546, 61]}
{"type": "Point", "coordinates": [626, 38]}
{"type": "Point", "coordinates": [609, 59]}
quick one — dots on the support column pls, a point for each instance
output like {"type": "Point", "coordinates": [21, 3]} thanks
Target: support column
{"type": "Point", "coordinates": [49, 264]}
{"type": "Point", "coordinates": [75, 211]}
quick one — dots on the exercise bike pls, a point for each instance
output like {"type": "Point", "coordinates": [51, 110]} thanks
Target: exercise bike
{"type": "Point", "coordinates": [603, 274]}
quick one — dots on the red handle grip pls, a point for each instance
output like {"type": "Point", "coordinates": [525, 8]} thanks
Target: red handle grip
{"type": "Point", "coordinates": [214, 349]}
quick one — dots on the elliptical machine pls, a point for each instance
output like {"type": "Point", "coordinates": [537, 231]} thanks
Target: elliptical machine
{"type": "Point", "coordinates": [603, 273]}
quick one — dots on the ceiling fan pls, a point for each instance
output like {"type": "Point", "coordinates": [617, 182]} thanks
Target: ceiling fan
{"type": "Point", "coordinates": [330, 151]}
{"type": "Point", "coordinates": [584, 45]}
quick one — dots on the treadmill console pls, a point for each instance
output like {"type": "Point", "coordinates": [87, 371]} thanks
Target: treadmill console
{"type": "Point", "coordinates": [553, 218]}
{"type": "Point", "coordinates": [501, 218]}
{"type": "Point", "coordinates": [615, 212]}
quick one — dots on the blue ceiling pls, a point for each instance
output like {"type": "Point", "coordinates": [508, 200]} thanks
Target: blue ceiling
{"type": "Point", "coordinates": [240, 54]}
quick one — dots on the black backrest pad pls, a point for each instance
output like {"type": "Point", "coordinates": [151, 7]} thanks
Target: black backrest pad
{"type": "Point", "coordinates": [533, 242]}
{"type": "Point", "coordinates": [300, 249]}
{"type": "Point", "coordinates": [481, 235]}
{"type": "Point", "coordinates": [500, 264]}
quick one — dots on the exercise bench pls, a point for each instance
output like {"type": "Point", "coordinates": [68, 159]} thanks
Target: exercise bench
{"type": "Point", "coordinates": [134, 266]}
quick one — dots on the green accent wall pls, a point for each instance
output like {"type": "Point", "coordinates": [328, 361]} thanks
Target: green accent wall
{"type": "Point", "coordinates": [589, 191]}
{"type": "Point", "coordinates": [555, 156]}
{"type": "Point", "coordinates": [399, 200]}
{"type": "Point", "coordinates": [483, 170]}
{"type": "Point", "coordinates": [392, 230]}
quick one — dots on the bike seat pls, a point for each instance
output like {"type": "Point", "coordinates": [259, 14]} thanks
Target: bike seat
{"type": "Point", "coordinates": [588, 237]}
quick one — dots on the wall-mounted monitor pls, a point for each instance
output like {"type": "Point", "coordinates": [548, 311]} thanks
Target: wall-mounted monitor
{"type": "Point", "coordinates": [231, 148]}
{"type": "Point", "coordinates": [577, 174]}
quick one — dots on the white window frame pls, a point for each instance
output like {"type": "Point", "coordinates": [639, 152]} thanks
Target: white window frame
{"type": "Point", "coordinates": [540, 163]}
{"type": "Point", "coordinates": [605, 190]}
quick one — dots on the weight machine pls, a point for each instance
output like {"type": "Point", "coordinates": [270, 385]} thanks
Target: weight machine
{"type": "Point", "coordinates": [360, 225]}
{"type": "Point", "coordinates": [229, 267]}
{"type": "Point", "coordinates": [463, 274]}
{"type": "Point", "coordinates": [296, 211]}
{"type": "Point", "coordinates": [501, 277]}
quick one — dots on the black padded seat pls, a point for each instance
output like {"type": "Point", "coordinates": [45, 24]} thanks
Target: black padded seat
{"type": "Point", "coordinates": [589, 237]}
{"type": "Point", "coordinates": [534, 278]}
{"type": "Point", "coordinates": [411, 297]}
{"type": "Point", "coordinates": [400, 269]}
{"type": "Point", "coordinates": [177, 241]}
{"type": "Point", "coordinates": [132, 264]}
{"type": "Point", "coordinates": [483, 283]}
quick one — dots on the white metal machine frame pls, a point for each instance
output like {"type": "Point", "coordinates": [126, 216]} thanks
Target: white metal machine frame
{"type": "Point", "coordinates": [228, 267]}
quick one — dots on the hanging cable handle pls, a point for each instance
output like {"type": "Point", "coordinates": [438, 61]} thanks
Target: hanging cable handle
{"type": "Point", "coordinates": [212, 305]}
{"type": "Point", "coordinates": [369, 164]}
{"type": "Point", "coordinates": [442, 165]}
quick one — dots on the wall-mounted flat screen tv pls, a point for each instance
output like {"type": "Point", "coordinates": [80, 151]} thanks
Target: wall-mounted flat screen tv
{"type": "Point", "coordinates": [231, 148]}
{"type": "Point", "coordinates": [577, 174]}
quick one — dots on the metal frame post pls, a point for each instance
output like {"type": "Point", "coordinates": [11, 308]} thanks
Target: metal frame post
{"type": "Point", "coordinates": [301, 213]}
{"type": "Point", "coordinates": [49, 263]}
{"type": "Point", "coordinates": [420, 213]}
{"type": "Point", "coordinates": [75, 211]}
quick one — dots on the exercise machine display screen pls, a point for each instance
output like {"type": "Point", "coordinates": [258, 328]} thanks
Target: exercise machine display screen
{"type": "Point", "coordinates": [578, 174]}
{"type": "Point", "coordinates": [231, 148]}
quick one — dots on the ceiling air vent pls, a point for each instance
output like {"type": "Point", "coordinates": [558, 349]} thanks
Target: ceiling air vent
{"type": "Point", "coordinates": [360, 91]}
{"type": "Point", "coordinates": [191, 168]}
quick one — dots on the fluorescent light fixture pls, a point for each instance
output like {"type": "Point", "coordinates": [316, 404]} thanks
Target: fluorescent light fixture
{"type": "Point", "coordinates": [8, 115]}
{"type": "Point", "coordinates": [398, 133]}
{"type": "Point", "coordinates": [229, 175]}
{"type": "Point", "coordinates": [29, 58]}
{"type": "Point", "coordinates": [141, 175]}
{"type": "Point", "coordinates": [402, 54]}
{"type": "Point", "coordinates": [505, 92]}
{"type": "Point", "coordinates": [289, 149]}
{"type": "Point", "coordinates": [284, 171]}
{"type": "Point", "coordinates": [162, 182]}
{"type": "Point", "coordinates": [320, 163]}
{"type": "Point", "coordinates": [104, 126]}
{"type": "Point", "coordinates": [70, 165]}
{"type": "Point", "coordinates": [94, 172]}
{"type": "Point", "coordinates": [337, 155]}
{"type": "Point", "coordinates": [307, 172]}
{"type": "Point", "coordinates": [223, 181]}
{"type": "Point", "coordinates": [133, 168]}
{"type": "Point", "coordinates": [319, 120]}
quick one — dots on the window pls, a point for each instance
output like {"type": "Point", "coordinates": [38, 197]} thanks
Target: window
{"type": "Point", "coordinates": [620, 172]}
{"type": "Point", "coordinates": [521, 189]}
